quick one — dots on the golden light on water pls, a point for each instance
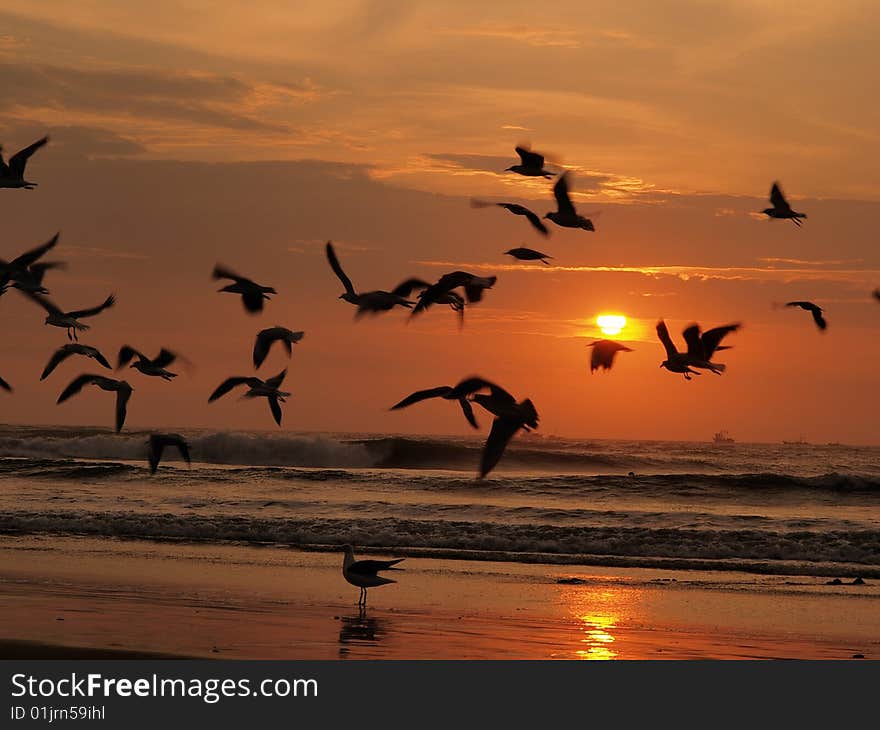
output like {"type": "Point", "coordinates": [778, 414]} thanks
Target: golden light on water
{"type": "Point", "coordinates": [611, 324]}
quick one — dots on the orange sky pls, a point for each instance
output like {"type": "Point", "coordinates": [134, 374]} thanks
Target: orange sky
{"type": "Point", "coordinates": [186, 133]}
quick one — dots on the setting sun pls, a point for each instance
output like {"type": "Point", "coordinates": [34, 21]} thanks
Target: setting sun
{"type": "Point", "coordinates": [611, 324]}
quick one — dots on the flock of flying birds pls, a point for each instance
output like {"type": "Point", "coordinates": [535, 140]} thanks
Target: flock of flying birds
{"type": "Point", "coordinates": [458, 290]}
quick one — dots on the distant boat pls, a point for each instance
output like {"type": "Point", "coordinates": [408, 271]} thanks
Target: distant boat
{"type": "Point", "coordinates": [800, 442]}
{"type": "Point", "coordinates": [722, 437]}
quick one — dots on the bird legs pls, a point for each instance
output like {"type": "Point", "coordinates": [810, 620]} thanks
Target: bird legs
{"type": "Point", "coordinates": [362, 598]}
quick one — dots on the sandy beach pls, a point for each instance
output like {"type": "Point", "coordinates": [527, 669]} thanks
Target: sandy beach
{"type": "Point", "coordinates": [70, 597]}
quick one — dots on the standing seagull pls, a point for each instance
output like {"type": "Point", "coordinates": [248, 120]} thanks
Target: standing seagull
{"type": "Point", "coordinates": [252, 294]}
{"type": "Point", "coordinates": [12, 174]}
{"type": "Point", "coordinates": [365, 573]}
{"type": "Point", "coordinates": [604, 352]}
{"type": "Point", "coordinates": [267, 389]}
{"type": "Point", "coordinates": [122, 388]}
{"type": "Point", "coordinates": [531, 164]}
{"type": "Point", "coordinates": [781, 209]}
{"type": "Point", "coordinates": [72, 348]}
{"type": "Point", "coordinates": [155, 367]}
{"type": "Point", "coordinates": [68, 320]}
{"type": "Point", "coordinates": [21, 268]}
{"type": "Point", "coordinates": [157, 444]}
{"type": "Point", "coordinates": [675, 362]}
{"type": "Point", "coordinates": [815, 310]}
{"type": "Point", "coordinates": [529, 254]}
{"type": "Point", "coordinates": [266, 337]}
{"type": "Point", "coordinates": [701, 347]}
{"type": "Point", "coordinates": [516, 209]}
{"type": "Point", "coordinates": [565, 214]}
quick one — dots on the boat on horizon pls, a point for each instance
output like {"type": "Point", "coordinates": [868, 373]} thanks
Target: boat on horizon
{"type": "Point", "coordinates": [723, 437]}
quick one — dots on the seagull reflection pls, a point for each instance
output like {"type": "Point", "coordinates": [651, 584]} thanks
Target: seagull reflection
{"type": "Point", "coordinates": [360, 630]}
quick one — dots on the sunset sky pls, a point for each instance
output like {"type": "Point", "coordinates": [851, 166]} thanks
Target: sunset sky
{"type": "Point", "coordinates": [190, 132]}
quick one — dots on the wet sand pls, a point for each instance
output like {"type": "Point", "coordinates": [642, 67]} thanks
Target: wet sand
{"type": "Point", "coordinates": [85, 598]}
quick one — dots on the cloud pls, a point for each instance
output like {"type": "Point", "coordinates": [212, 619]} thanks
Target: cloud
{"type": "Point", "coordinates": [530, 35]}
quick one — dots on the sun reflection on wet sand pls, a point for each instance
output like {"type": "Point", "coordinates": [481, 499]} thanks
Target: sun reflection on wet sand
{"type": "Point", "coordinates": [597, 611]}
{"type": "Point", "coordinates": [598, 638]}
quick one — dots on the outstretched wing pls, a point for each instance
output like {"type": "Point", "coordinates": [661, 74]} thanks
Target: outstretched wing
{"type": "Point", "coordinates": [43, 302]}
{"type": "Point", "coordinates": [18, 161]}
{"type": "Point", "coordinates": [126, 353]}
{"type": "Point", "coordinates": [712, 338]}
{"type": "Point", "coordinates": [76, 385]}
{"type": "Point", "coordinates": [468, 386]}
{"type": "Point", "coordinates": [157, 446]}
{"type": "Point", "coordinates": [337, 269]}
{"type": "Point", "coordinates": [262, 345]}
{"type": "Point", "coordinates": [228, 385]}
{"type": "Point", "coordinates": [30, 257]}
{"type": "Point", "coordinates": [221, 272]}
{"type": "Point", "coordinates": [819, 319]}
{"type": "Point", "coordinates": [276, 380]}
{"type": "Point", "coordinates": [405, 288]}
{"type": "Point", "coordinates": [421, 395]}
{"type": "Point", "coordinates": [560, 192]}
{"type": "Point", "coordinates": [694, 344]}
{"type": "Point", "coordinates": [535, 221]}
{"type": "Point", "coordinates": [503, 430]}
{"type": "Point", "coordinates": [468, 411]}
{"type": "Point", "coordinates": [5, 385]}
{"type": "Point", "coordinates": [164, 358]}
{"type": "Point", "coordinates": [57, 358]}
{"type": "Point", "coordinates": [275, 407]}
{"type": "Point", "coordinates": [777, 199]}
{"type": "Point", "coordinates": [663, 334]}
{"type": "Point", "coordinates": [123, 393]}
{"type": "Point", "coordinates": [82, 313]}
{"type": "Point", "coordinates": [529, 158]}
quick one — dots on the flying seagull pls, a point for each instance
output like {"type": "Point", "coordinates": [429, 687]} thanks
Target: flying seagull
{"type": "Point", "coordinates": [675, 362]}
{"type": "Point", "coordinates": [459, 392]}
{"type": "Point", "coordinates": [365, 573]}
{"type": "Point", "coordinates": [516, 209]}
{"type": "Point", "coordinates": [531, 164]}
{"type": "Point", "coordinates": [155, 367]}
{"type": "Point", "coordinates": [815, 310]}
{"type": "Point", "coordinates": [373, 301]}
{"type": "Point", "coordinates": [529, 254]}
{"type": "Point", "coordinates": [603, 354]}
{"type": "Point", "coordinates": [69, 320]}
{"type": "Point", "coordinates": [252, 294]}
{"type": "Point", "coordinates": [122, 388]}
{"type": "Point", "coordinates": [510, 417]}
{"type": "Point", "coordinates": [32, 280]}
{"type": "Point", "coordinates": [257, 388]}
{"type": "Point", "coordinates": [701, 347]}
{"type": "Point", "coordinates": [266, 337]}
{"type": "Point", "coordinates": [157, 444]}
{"type": "Point", "coordinates": [12, 174]}
{"type": "Point", "coordinates": [72, 348]}
{"type": "Point", "coordinates": [781, 209]}
{"type": "Point", "coordinates": [473, 288]}
{"type": "Point", "coordinates": [22, 268]}
{"type": "Point", "coordinates": [565, 215]}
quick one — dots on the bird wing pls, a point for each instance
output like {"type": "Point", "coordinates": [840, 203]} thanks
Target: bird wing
{"type": "Point", "coordinates": [221, 272]}
{"type": "Point", "coordinates": [535, 221]}
{"type": "Point", "coordinates": [663, 334]}
{"type": "Point", "coordinates": [809, 306]}
{"type": "Point", "coordinates": [77, 384]}
{"type": "Point", "coordinates": [421, 395]}
{"type": "Point", "coordinates": [57, 357]}
{"type": "Point", "coordinates": [777, 199]}
{"type": "Point", "coordinates": [263, 344]}
{"type": "Point", "coordinates": [446, 283]}
{"type": "Point", "coordinates": [694, 344]}
{"type": "Point", "coordinates": [126, 353]}
{"type": "Point", "coordinates": [229, 384]}
{"type": "Point", "coordinates": [18, 161]}
{"type": "Point", "coordinates": [468, 411]}
{"type": "Point", "coordinates": [43, 302]}
{"type": "Point", "coordinates": [502, 431]}
{"type": "Point", "coordinates": [123, 393]}
{"type": "Point", "coordinates": [276, 380]}
{"type": "Point", "coordinates": [371, 567]}
{"type": "Point", "coordinates": [405, 288]}
{"type": "Point", "coordinates": [711, 339]}
{"type": "Point", "coordinates": [471, 385]}
{"type": "Point", "coordinates": [5, 385]}
{"type": "Point", "coordinates": [183, 448]}
{"type": "Point", "coordinates": [337, 269]}
{"type": "Point", "coordinates": [529, 158]}
{"type": "Point", "coordinates": [253, 301]}
{"type": "Point", "coordinates": [30, 257]}
{"type": "Point", "coordinates": [819, 319]}
{"type": "Point", "coordinates": [275, 407]}
{"type": "Point", "coordinates": [157, 446]}
{"type": "Point", "coordinates": [560, 192]}
{"type": "Point", "coordinates": [164, 358]}
{"type": "Point", "coordinates": [95, 353]}
{"type": "Point", "coordinates": [38, 271]}
{"type": "Point", "coordinates": [82, 313]}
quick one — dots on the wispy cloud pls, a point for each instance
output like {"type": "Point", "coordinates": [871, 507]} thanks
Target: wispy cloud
{"type": "Point", "coordinates": [531, 35]}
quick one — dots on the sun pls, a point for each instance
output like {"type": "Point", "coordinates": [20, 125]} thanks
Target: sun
{"type": "Point", "coordinates": [611, 324]}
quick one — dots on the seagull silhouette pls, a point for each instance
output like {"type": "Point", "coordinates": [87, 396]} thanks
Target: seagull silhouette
{"type": "Point", "coordinates": [516, 209]}
{"type": "Point", "coordinates": [122, 389]}
{"type": "Point", "coordinates": [69, 320]}
{"type": "Point", "coordinates": [266, 337]}
{"type": "Point", "coordinates": [813, 309]}
{"type": "Point", "coordinates": [510, 417]}
{"type": "Point", "coordinates": [701, 347]}
{"type": "Point", "coordinates": [675, 362]}
{"type": "Point", "coordinates": [23, 269]}
{"type": "Point", "coordinates": [473, 288]}
{"type": "Point", "coordinates": [565, 214]}
{"type": "Point", "coordinates": [459, 393]}
{"type": "Point", "coordinates": [365, 573]}
{"type": "Point", "coordinates": [257, 388]}
{"type": "Point", "coordinates": [781, 209]}
{"type": "Point", "coordinates": [12, 174]}
{"type": "Point", "coordinates": [603, 354]}
{"type": "Point", "coordinates": [155, 367]}
{"type": "Point", "coordinates": [531, 164]}
{"type": "Point", "coordinates": [252, 294]}
{"type": "Point", "coordinates": [72, 348]}
{"type": "Point", "coordinates": [529, 254]}
{"type": "Point", "coordinates": [157, 444]}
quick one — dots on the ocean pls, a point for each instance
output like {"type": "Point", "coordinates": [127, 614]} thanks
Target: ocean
{"type": "Point", "coordinates": [786, 509]}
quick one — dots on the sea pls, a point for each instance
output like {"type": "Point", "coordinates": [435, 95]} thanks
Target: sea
{"type": "Point", "coordinates": [770, 508]}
